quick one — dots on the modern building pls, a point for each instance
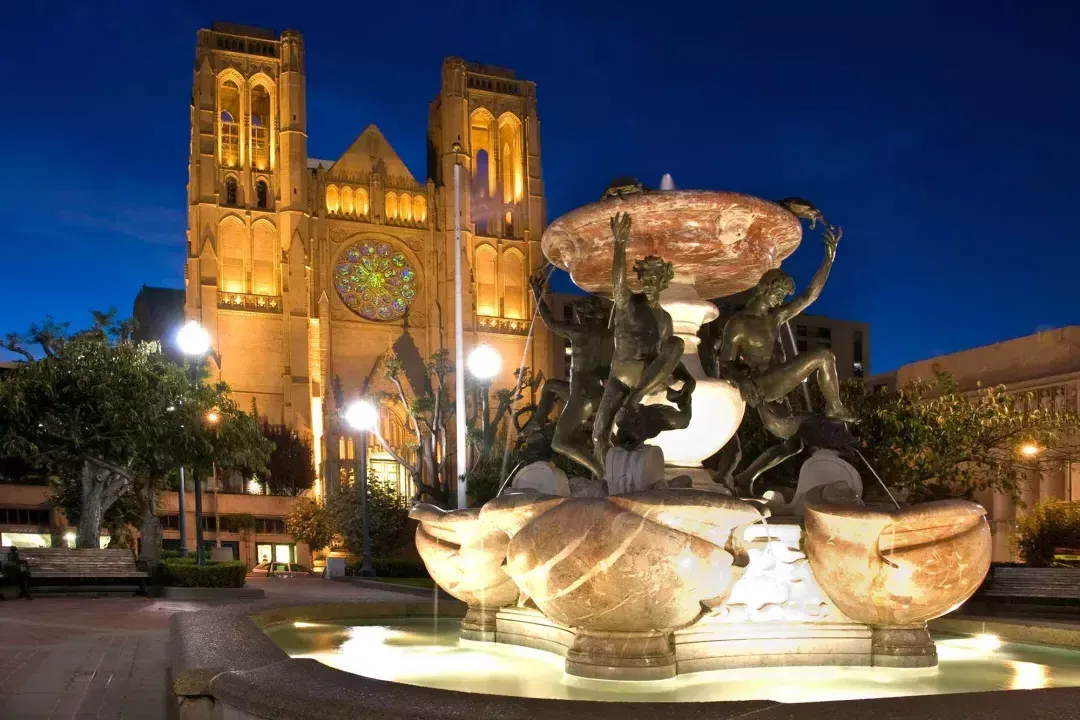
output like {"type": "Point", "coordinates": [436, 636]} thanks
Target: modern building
{"type": "Point", "coordinates": [305, 271]}
{"type": "Point", "coordinates": [1045, 365]}
{"type": "Point", "coordinates": [848, 340]}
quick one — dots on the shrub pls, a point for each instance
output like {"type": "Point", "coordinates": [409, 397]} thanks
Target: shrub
{"type": "Point", "coordinates": [385, 567]}
{"type": "Point", "coordinates": [1049, 525]}
{"type": "Point", "coordinates": [184, 573]}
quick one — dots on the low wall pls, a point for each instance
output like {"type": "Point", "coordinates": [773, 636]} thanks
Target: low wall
{"type": "Point", "coordinates": [224, 667]}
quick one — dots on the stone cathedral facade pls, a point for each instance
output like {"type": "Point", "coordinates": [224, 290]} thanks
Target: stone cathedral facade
{"type": "Point", "coordinates": [306, 270]}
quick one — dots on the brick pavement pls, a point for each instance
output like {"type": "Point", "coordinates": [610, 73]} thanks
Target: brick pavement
{"type": "Point", "coordinates": [105, 657]}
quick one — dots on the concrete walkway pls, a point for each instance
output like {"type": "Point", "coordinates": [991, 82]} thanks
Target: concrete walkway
{"type": "Point", "coordinates": [105, 657]}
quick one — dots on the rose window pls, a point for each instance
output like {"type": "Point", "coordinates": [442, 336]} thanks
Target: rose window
{"type": "Point", "coordinates": [375, 280]}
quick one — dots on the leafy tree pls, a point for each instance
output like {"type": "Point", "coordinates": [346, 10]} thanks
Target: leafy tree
{"type": "Point", "coordinates": [428, 412]}
{"type": "Point", "coordinates": [109, 418]}
{"type": "Point", "coordinates": [931, 441]}
{"type": "Point", "coordinates": [311, 523]}
{"type": "Point", "coordinates": [1049, 525]}
{"type": "Point", "coordinates": [290, 469]}
{"type": "Point", "coordinates": [388, 516]}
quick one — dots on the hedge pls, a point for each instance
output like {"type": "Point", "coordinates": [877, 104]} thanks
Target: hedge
{"type": "Point", "coordinates": [184, 573]}
{"type": "Point", "coordinates": [395, 568]}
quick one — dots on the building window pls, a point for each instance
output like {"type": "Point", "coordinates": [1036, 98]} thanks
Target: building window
{"type": "Point", "coordinates": [270, 526]}
{"type": "Point", "coordinates": [405, 207]}
{"type": "Point", "coordinates": [511, 173]}
{"type": "Point", "coordinates": [260, 128]}
{"type": "Point", "coordinates": [232, 242]}
{"type": "Point", "coordinates": [508, 224]}
{"type": "Point", "coordinates": [361, 201]}
{"type": "Point", "coordinates": [24, 516]}
{"type": "Point", "coordinates": [487, 292]}
{"type": "Point", "coordinates": [230, 191]}
{"type": "Point", "coordinates": [260, 194]}
{"type": "Point", "coordinates": [391, 206]}
{"type": "Point", "coordinates": [170, 522]}
{"type": "Point", "coordinates": [281, 553]}
{"type": "Point", "coordinates": [824, 333]}
{"type": "Point", "coordinates": [419, 209]}
{"type": "Point", "coordinates": [801, 345]}
{"type": "Point", "coordinates": [513, 285]}
{"type": "Point", "coordinates": [333, 199]}
{"type": "Point", "coordinates": [482, 143]}
{"type": "Point", "coordinates": [800, 330]}
{"type": "Point", "coordinates": [229, 124]}
{"type": "Point", "coordinates": [856, 348]}
{"type": "Point", "coordinates": [264, 259]}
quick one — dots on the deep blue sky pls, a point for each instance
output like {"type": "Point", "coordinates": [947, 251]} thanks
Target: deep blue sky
{"type": "Point", "coordinates": [942, 135]}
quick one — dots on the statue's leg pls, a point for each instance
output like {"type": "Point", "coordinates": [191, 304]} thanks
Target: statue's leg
{"type": "Point", "coordinates": [615, 394]}
{"type": "Point", "coordinates": [777, 382]}
{"type": "Point", "coordinates": [568, 438]}
{"type": "Point", "coordinates": [772, 457]}
{"type": "Point", "coordinates": [553, 390]}
{"type": "Point", "coordinates": [661, 368]}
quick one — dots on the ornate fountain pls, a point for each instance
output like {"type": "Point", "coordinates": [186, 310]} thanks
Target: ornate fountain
{"type": "Point", "coordinates": [654, 567]}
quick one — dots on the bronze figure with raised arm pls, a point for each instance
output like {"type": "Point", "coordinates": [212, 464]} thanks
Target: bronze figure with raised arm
{"type": "Point", "coordinates": [746, 348]}
{"type": "Point", "coordinates": [590, 361]}
{"type": "Point", "coordinates": [647, 353]}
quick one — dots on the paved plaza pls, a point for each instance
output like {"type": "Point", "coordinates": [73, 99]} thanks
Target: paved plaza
{"type": "Point", "coordinates": [105, 657]}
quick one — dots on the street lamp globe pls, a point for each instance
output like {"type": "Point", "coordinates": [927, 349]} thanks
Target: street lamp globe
{"type": "Point", "coordinates": [484, 363]}
{"type": "Point", "coordinates": [193, 339]}
{"type": "Point", "coordinates": [362, 415]}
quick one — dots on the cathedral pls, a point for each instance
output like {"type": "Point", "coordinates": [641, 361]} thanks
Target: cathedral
{"type": "Point", "coordinates": [305, 271]}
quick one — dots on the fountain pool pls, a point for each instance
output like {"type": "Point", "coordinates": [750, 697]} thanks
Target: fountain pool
{"type": "Point", "coordinates": [428, 652]}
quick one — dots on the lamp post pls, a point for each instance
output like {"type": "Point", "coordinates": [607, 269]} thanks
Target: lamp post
{"type": "Point", "coordinates": [363, 417]}
{"type": "Point", "coordinates": [194, 342]}
{"type": "Point", "coordinates": [484, 364]}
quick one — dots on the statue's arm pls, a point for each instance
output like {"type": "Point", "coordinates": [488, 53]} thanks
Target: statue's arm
{"type": "Point", "coordinates": [727, 350]}
{"type": "Point", "coordinates": [813, 290]}
{"type": "Point", "coordinates": [620, 229]}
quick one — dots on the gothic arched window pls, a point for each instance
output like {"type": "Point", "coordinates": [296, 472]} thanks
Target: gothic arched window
{"type": "Point", "coordinates": [513, 277]}
{"type": "Point", "coordinates": [487, 290]}
{"type": "Point", "coordinates": [419, 209]}
{"type": "Point", "coordinates": [510, 172]}
{"type": "Point", "coordinates": [261, 194]}
{"type": "Point", "coordinates": [260, 128]}
{"type": "Point", "coordinates": [391, 206]}
{"type": "Point", "coordinates": [229, 123]}
{"type": "Point", "coordinates": [230, 191]}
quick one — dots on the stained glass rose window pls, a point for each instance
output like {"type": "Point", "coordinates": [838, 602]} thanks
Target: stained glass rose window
{"type": "Point", "coordinates": [375, 280]}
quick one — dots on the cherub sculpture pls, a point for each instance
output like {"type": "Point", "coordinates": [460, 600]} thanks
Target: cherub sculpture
{"type": "Point", "coordinates": [745, 357]}
{"type": "Point", "coordinates": [646, 353]}
{"type": "Point", "coordinates": [590, 361]}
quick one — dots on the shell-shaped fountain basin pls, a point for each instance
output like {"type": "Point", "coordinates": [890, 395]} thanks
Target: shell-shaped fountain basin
{"type": "Point", "coordinates": [639, 562]}
{"type": "Point", "coordinates": [464, 555]}
{"type": "Point", "coordinates": [897, 568]}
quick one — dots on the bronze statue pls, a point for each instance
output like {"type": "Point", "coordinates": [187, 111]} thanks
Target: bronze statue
{"type": "Point", "coordinates": [647, 353]}
{"type": "Point", "coordinates": [590, 361]}
{"type": "Point", "coordinates": [745, 357]}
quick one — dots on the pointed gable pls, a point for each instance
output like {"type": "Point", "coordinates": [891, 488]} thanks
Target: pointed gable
{"type": "Point", "coordinates": [370, 153]}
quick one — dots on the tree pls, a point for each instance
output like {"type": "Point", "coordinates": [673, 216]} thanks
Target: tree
{"type": "Point", "coordinates": [388, 515]}
{"type": "Point", "coordinates": [428, 412]}
{"type": "Point", "coordinates": [932, 441]}
{"type": "Point", "coordinates": [108, 417]}
{"type": "Point", "coordinates": [290, 469]}
{"type": "Point", "coordinates": [311, 523]}
{"type": "Point", "coordinates": [1046, 527]}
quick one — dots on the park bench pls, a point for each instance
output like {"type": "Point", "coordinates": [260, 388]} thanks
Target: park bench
{"type": "Point", "coordinates": [1035, 584]}
{"type": "Point", "coordinates": [84, 569]}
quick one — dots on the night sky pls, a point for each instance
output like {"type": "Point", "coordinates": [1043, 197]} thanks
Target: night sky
{"type": "Point", "coordinates": [943, 140]}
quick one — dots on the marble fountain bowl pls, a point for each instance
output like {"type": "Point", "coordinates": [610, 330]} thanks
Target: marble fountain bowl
{"type": "Point", "coordinates": [898, 568]}
{"type": "Point", "coordinates": [465, 557]}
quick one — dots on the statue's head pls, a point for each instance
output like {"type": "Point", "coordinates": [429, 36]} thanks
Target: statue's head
{"type": "Point", "coordinates": [654, 274]}
{"type": "Point", "coordinates": [590, 310]}
{"type": "Point", "coordinates": [773, 287]}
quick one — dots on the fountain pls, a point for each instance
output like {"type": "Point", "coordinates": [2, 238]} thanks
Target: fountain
{"type": "Point", "coordinates": [669, 574]}
{"type": "Point", "coordinates": [695, 587]}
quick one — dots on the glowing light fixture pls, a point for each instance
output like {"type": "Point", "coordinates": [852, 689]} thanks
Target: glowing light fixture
{"type": "Point", "coordinates": [484, 363]}
{"type": "Point", "coordinates": [362, 415]}
{"type": "Point", "coordinates": [193, 339]}
{"type": "Point", "coordinates": [213, 417]}
{"type": "Point", "coordinates": [69, 538]}
{"type": "Point", "coordinates": [1030, 450]}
